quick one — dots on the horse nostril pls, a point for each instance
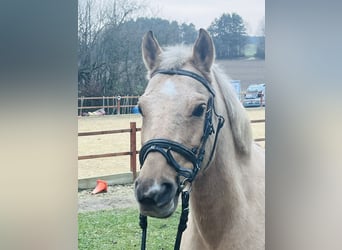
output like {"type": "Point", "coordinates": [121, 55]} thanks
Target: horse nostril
{"type": "Point", "coordinates": [147, 198]}
{"type": "Point", "coordinates": [165, 195]}
{"type": "Point", "coordinates": [166, 187]}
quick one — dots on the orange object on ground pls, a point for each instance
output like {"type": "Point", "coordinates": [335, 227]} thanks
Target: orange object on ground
{"type": "Point", "coordinates": [100, 187]}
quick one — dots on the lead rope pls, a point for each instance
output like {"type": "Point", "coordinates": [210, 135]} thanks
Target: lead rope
{"type": "Point", "coordinates": [183, 219]}
{"type": "Point", "coordinates": [181, 226]}
{"type": "Point", "coordinates": [143, 225]}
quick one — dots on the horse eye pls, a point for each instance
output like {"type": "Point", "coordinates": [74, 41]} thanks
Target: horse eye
{"type": "Point", "coordinates": [199, 110]}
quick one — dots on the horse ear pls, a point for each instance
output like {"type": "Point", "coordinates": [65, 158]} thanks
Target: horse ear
{"type": "Point", "coordinates": [150, 50]}
{"type": "Point", "coordinates": [203, 51]}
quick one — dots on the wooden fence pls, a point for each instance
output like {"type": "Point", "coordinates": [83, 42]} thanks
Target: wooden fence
{"type": "Point", "coordinates": [111, 104]}
{"type": "Point", "coordinates": [133, 144]}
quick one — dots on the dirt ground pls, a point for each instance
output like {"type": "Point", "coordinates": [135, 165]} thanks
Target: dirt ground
{"type": "Point", "coordinates": [119, 196]}
{"type": "Point", "coordinates": [116, 197]}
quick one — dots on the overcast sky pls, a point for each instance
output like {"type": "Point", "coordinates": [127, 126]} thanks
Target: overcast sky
{"type": "Point", "coordinates": [202, 12]}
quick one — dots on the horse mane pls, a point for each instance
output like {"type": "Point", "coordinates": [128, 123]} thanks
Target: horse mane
{"type": "Point", "coordinates": [239, 121]}
{"type": "Point", "coordinates": [177, 56]}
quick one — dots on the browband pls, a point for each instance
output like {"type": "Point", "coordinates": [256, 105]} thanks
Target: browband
{"type": "Point", "coordinates": [183, 72]}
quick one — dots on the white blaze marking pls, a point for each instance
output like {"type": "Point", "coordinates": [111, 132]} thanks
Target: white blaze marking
{"type": "Point", "coordinates": [154, 188]}
{"type": "Point", "coordinates": [169, 88]}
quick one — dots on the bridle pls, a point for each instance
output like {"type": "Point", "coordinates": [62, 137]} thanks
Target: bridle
{"type": "Point", "coordinates": [194, 155]}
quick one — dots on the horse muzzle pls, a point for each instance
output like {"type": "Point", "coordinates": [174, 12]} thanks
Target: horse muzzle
{"type": "Point", "coordinates": [156, 199]}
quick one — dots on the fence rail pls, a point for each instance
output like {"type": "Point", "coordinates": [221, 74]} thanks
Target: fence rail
{"type": "Point", "coordinates": [258, 121]}
{"type": "Point", "coordinates": [133, 145]}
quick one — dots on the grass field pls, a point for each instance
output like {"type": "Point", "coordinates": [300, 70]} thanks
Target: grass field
{"type": "Point", "coordinates": [119, 229]}
{"type": "Point", "coordinates": [120, 142]}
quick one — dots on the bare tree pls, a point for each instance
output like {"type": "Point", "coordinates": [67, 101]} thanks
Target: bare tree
{"type": "Point", "coordinates": [109, 35]}
{"type": "Point", "coordinates": [89, 28]}
{"type": "Point", "coordinates": [96, 54]}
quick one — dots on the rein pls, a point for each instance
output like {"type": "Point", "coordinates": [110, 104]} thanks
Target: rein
{"type": "Point", "coordinates": [194, 155]}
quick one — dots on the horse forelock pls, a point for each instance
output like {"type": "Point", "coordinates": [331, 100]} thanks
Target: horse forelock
{"type": "Point", "coordinates": [172, 57]}
{"type": "Point", "coordinates": [175, 57]}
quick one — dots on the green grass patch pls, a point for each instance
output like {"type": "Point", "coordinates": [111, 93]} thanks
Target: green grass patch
{"type": "Point", "coordinates": [119, 229]}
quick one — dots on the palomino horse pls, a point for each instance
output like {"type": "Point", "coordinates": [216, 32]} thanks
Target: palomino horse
{"type": "Point", "coordinates": [186, 146]}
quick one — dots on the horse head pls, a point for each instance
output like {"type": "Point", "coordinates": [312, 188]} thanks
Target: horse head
{"type": "Point", "coordinates": [176, 111]}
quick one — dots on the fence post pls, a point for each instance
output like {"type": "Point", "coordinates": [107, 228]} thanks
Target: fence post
{"type": "Point", "coordinates": [113, 108]}
{"type": "Point", "coordinates": [133, 144]}
{"type": "Point", "coordinates": [81, 105]}
{"type": "Point", "coordinates": [118, 105]}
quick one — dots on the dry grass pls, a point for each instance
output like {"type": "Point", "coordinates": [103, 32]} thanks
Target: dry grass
{"type": "Point", "coordinates": [247, 71]}
{"type": "Point", "coordinates": [120, 142]}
